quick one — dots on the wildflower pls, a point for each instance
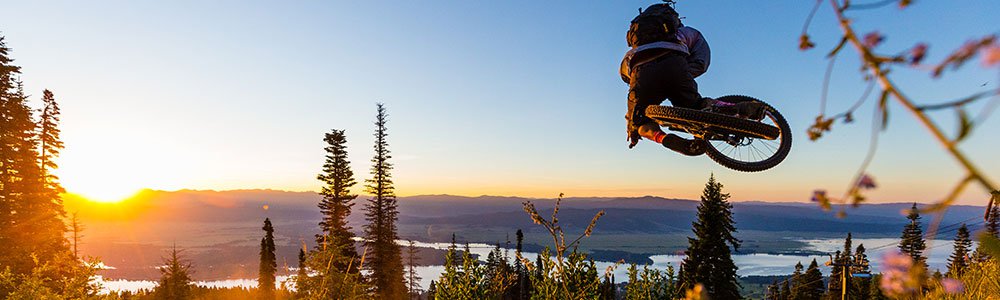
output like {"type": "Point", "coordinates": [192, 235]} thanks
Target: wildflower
{"type": "Point", "coordinates": [805, 43]}
{"type": "Point", "coordinates": [918, 53]}
{"type": "Point", "coordinates": [952, 286]}
{"type": "Point", "coordinates": [899, 276]}
{"type": "Point", "coordinates": [818, 196]}
{"type": "Point", "coordinates": [872, 39]}
{"type": "Point", "coordinates": [866, 182]}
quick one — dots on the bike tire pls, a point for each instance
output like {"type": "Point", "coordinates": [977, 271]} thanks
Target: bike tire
{"type": "Point", "coordinates": [775, 159]}
{"type": "Point", "coordinates": [732, 125]}
{"type": "Point", "coordinates": [718, 122]}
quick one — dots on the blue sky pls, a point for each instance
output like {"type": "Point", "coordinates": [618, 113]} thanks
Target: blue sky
{"type": "Point", "coordinates": [502, 98]}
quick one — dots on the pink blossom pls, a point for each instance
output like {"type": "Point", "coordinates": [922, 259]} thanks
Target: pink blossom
{"type": "Point", "coordinates": [952, 286]}
{"type": "Point", "coordinates": [818, 196]}
{"type": "Point", "coordinates": [866, 182]}
{"type": "Point", "coordinates": [918, 53]}
{"type": "Point", "coordinates": [897, 278]}
{"type": "Point", "coordinates": [872, 39]}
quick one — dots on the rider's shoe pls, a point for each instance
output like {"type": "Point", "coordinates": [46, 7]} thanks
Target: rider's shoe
{"type": "Point", "coordinates": [749, 110]}
{"type": "Point", "coordinates": [684, 146]}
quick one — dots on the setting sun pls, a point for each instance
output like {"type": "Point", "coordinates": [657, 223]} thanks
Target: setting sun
{"type": "Point", "coordinates": [106, 196]}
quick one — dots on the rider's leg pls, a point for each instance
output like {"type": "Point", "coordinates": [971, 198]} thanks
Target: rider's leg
{"type": "Point", "coordinates": [652, 131]}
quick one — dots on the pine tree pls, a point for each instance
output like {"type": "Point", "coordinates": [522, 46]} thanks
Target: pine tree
{"type": "Point", "coordinates": [50, 143]}
{"type": "Point", "coordinates": [301, 274]}
{"type": "Point", "coordinates": [772, 292]}
{"type": "Point", "coordinates": [912, 241]}
{"type": "Point", "coordinates": [31, 212]}
{"type": "Point", "coordinates": [786, 291]}
{"type": "Point", "coordinates": [412, 278]}
{"type": "Point", "coordinates": [837, 276]}
{"type": "Point", "coordinates": [833, 285]}
{"type": "Point", "coordinates": [385, 260]}
{"type": "Point", "coordinates": [76, 227]}
{"type": "Point", "coordinates": [8, 73]}
{"type": "Point", "coordinates": [812, 282]}
{"type": "Point", "coordinates": [175, 279]}
{"type": "Point", "coordinates": [798, 282]}
{"type": "Point", "coordinates": [337, 201]}
{"type": "Point", "coordinates": [709, 261]}
{"type": "Point", "coordinates": [861, 265]}
{"type": "Point", "coordinates": [268, 262]}
{"type": "Point", "coordinates": [521, 288]}
{"type": "Point", "coordinates": [959, 259]}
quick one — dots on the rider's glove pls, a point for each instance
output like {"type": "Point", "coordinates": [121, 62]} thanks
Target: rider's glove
{"type": "Point", "coordinates": [633, 137]}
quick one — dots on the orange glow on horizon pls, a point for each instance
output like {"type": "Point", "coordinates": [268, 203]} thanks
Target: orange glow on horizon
{"type": "Point", "coordinates": [106, 196]}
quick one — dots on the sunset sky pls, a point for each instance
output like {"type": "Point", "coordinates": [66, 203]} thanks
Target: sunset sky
{"type": "Point", "coordinates": [516, 98]}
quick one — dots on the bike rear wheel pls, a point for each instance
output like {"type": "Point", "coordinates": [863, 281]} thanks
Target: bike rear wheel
{"type": "Point", "coordinates": [749, 154]}
{"type": "Point", "coordinates": [736, 143]}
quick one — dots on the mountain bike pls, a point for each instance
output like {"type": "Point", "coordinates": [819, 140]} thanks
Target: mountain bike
{"type": "Point", "coordinates": [737, 143]}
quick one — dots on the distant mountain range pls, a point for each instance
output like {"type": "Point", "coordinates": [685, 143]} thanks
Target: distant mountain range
{"type": "Point", "coordinates": [639, 214]}
{"type": "Point", "coordinates": [221, 229]}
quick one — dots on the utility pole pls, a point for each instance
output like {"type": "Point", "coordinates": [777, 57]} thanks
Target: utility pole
{"type": "Point", "coordinates": [843, 275]}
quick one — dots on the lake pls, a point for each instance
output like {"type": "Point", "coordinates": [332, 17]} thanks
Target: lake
{"type": "Point", "coordinates": [748, 264]}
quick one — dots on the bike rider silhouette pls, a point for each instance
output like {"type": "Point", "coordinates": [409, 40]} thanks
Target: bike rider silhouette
{"type": "Point", "coordinates": [665, 58]}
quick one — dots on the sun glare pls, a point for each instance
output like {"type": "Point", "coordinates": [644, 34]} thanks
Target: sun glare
{"type": "Point", "coordinates": [106, 196]}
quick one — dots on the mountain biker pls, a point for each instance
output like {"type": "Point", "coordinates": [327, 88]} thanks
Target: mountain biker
{"type": "Point", "coordinates": [665, 58]}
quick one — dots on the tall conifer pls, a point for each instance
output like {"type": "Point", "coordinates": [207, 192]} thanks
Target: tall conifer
{"type": "Point", "coordinates": [812, 282]}
{"type": "Point", "coordinates": [268, 262]}
{"type": "Point", "coordinates": [959, 259]}
{"type": "Point", "coordinates": [31, 210]}
{"type": "Point", "coordinates": [798, 288]}
{"type": "Point", "coordinates": [912, 241]}
{"type": "Point", "coordinates": [861, 265]}
{"type": "Point", "coordinates": [412, 278]}
{"type": "Point", "coordinates": [175, 280]}
{"type": "Point", "coordinates": [385, 259]}
{"type": "Point", "coordinates": [337, 202]}
{"type": "Point", "coordinates": [709, 261]}
{"type": "Point", "coordinates": [842, 259]}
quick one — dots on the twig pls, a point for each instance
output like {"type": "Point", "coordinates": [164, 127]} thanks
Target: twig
{"type": "Point", "coordinates": [888, 86]}
{"type": "Point", "coordinates": [869, 5]}
{"type": "Point", "coordinates": [957, 103]}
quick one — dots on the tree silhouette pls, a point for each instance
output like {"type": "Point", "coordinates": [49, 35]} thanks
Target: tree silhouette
{"type": "Point", "coordinates": [709, 260]}
{"type": "Point", "coordinates": [385, 261]}
{"type": "Point", "coordinates": [175, 278]}
{"type": "Point", "coordinates": [32, 230]}
{"type": "Point", "coordinates": [337, 201]}
{"type": "Point", "coordinates": [798, 288]}
{"type": "Point", "coordinates": [861, 265]}
{"type": "Point", "coordinates": [844, 258]}
{"type": "Point", "coordinates": [412, 278]}
{"type": "Point", "coordinates": [812, 282]}
{"type": "Point", "coordinates": [959, 259]}
{"type": "Point", "coordinates": [268, 262]}
{"type": "Point", "coordinates": [912, 241]}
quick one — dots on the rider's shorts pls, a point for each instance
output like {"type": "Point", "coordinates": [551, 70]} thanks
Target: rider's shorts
{"type": "Point", "coordinates": [665, 77]}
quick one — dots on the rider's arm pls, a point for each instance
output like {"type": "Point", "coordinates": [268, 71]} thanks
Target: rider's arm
{"type": "Point", "coordinates": [700, 55]}
{"type": "Point", "coordinates": [624, 69]}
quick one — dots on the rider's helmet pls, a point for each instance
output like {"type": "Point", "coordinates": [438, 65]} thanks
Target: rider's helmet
{"type": "Point", "coordinates": [658, 22]}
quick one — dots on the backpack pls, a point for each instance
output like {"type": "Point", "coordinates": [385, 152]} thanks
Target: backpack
{"type": "Point", "coordinates": [656, 23]}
